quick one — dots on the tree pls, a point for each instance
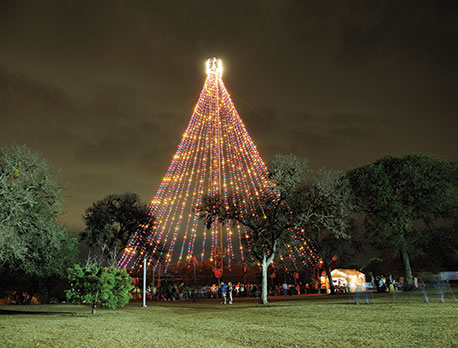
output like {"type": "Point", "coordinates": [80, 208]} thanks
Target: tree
{"type": "Point", "coordinates": [269, 224]}
{"type": "Point", "coordinates": [372, 267]}
{"type": "Point", "coordinates": [110, 223]}
{"type": "Point", "coordinates": [323, 206]}
{"type": "Point", "coordinates": [402, 196]}
{"type": "Point", "coordinates": [34, 247]}
{"type": "Point", "coordinates": [92, 284]}
{"type": "Point", "coordinates": [440, 245]}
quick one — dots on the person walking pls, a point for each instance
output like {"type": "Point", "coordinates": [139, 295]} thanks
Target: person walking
{"type": "Point", "coordinates": [223, 292]}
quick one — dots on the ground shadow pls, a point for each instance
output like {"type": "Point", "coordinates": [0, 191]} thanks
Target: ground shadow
{"type": "Point", "coordinates": [12, 312]}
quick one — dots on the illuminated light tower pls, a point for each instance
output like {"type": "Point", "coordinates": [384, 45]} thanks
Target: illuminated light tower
{"type": "Point", "coordinates": [216, 157]}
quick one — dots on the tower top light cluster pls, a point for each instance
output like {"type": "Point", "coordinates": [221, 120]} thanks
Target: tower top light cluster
{"type": "Point", "coordinates": [214, 66]}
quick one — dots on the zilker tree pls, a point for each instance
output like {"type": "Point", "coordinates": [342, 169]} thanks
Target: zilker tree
{"type": "Point", "coordinates": [218, 159]}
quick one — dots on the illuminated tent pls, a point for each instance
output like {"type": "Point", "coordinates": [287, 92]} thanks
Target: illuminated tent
{"type": "Point", "coordinates": [355, 279]}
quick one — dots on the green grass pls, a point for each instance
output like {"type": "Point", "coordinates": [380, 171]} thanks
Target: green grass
{"type": "Point", "coordinates": [312, 321]}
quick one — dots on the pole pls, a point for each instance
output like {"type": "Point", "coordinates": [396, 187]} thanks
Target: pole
{"type": "Point", "coordinates": [194, 273]}
{"type": "Point", "coordinates": [159, 281]}
{"type": "Point", "coordinates": [144, 282]}
{"type": "Point", "coordinates": [152, 291]}
{"type": "Point", "coordinates": [218, 137]}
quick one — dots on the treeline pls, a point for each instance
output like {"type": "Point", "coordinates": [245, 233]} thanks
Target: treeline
{"type": "Point", "coordinates": [406, 207]}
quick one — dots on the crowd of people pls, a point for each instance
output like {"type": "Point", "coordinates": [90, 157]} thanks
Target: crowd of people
{"type": "Point", "coordinates": [388, 284]}
{"type": "Point", "coordinates": [173, 292]}
{"type": "Point", "coordinates": [298, 288]}
{"type": "Point", "coordinates": [226, 291]}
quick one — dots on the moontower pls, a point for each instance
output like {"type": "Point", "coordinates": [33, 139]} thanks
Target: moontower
{"type": "Point", "coordinates": [216, 157]}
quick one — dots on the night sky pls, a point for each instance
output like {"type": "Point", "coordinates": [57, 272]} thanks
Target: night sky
{"type": "Point", "coordinates": [105, 89]}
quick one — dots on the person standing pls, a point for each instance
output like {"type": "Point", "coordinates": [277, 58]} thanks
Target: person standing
{"type": "Point", "coordinates": [229, 292]}
{"type": "Point", "coordinates": [223, 292]}
{"type": "Point", "coordinates": [285, 289]}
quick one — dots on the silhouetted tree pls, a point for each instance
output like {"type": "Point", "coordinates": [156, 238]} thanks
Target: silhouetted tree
{"type": "Point", "coordinates": [400, 196]}
{"type": "Point", "coordinates": [269, 222]}
{"type": "Point", "coordinates": [322, 204]}
{"type": "Point", "coordinates": [111, 221]}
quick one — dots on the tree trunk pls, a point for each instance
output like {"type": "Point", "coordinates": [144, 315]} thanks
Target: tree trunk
{"type": "Point", "coordinates": [328, 273]}
{"type": "Point", "coordinates": [265, 264]}
{"type": "Point", "coordinates": [264, 281]}
{"type": "Point", "coordinates": [408, 282]}
{"type": "Point", "coordinates": [194, 273]}
{"type": "Point", "coordinates": [152, 286]}
{"type": "Point", "coordinates": [94, 305]}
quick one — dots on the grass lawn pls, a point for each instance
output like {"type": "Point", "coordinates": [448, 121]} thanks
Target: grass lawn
{"type": "Point", "coordinates": [307, 321]}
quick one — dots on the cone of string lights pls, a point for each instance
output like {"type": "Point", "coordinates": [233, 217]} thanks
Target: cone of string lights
{"type": "Point", "coordinates": [217, 157]}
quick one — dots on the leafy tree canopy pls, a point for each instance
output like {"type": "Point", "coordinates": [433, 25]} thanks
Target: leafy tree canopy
{"type": "Point", "coordinates": [399, 196]}
{"type": "Point", "coordinates": [31, 239]}
{"type": "Point", "coordinates": [110, 222]}
{"type": "Point", "coordinates": [269, 223]}
{"type": "Point", "coordinates": [322, 204]}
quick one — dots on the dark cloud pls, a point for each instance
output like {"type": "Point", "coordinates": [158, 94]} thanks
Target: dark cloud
{"type": "Point", "coordinates": [346, 118]}
{"type": "Point", "coordinates": [104, 89]}
{"type": "Point", "coordinates": [353, 133]}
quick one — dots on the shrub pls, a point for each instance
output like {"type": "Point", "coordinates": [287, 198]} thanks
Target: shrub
{"type": "Point", "coordinates": [92, 284]}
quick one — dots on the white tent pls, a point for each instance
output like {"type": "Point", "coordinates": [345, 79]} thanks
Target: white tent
{"type": "Point", "coordinates": [353, 278]}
